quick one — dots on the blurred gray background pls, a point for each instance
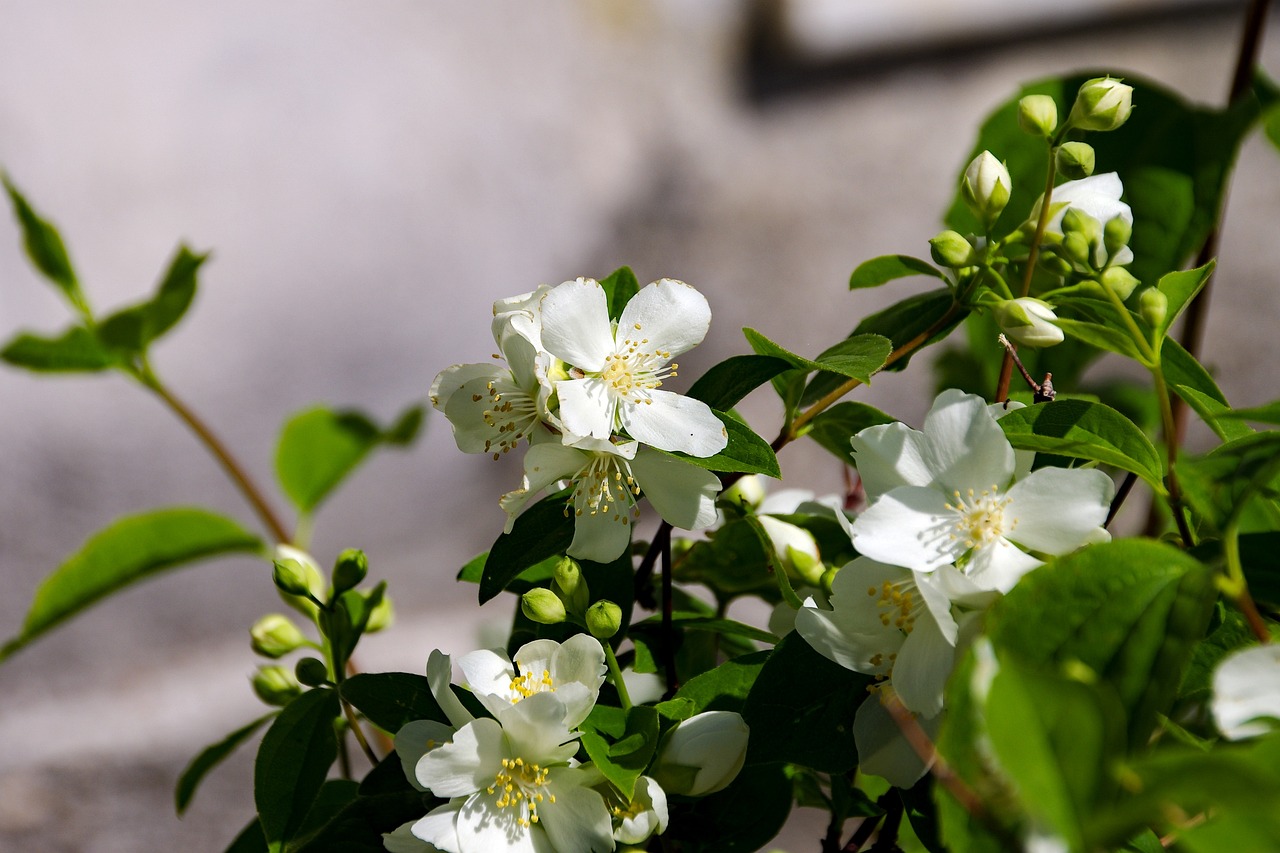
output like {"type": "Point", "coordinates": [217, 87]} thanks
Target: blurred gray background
{"type": "Point", "coordinates": [371, 177]}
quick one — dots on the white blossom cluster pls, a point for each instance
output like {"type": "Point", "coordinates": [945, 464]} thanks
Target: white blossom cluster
{"type": "Point", "coordinates": [585, 394]}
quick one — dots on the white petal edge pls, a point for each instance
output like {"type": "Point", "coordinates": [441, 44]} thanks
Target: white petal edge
{"type": "Point", "coordinates": [575, 324]}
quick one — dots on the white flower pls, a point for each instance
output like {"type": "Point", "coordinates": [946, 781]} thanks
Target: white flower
{"type": "Point", "coordinates": [883, 750]}
{"type": "Point", "coordinates": [1098, 196]}
{"type": "Point", "coordinates": [607, 480]}
{"type": "Point", "coordinates": [948, 494]}
{"type": "Point", "coordinates": [702, 754]}
{"type": "Point", "coordinates": [644, 816]}
{"type": "Point", "coordinates": [1246, 691]}
{"type": "Point", "coordinates": [572, 670]}
{"type": "Point", "coordinates": [986, 186]}
{"type": "Point", "coordinates": [512, 788]}
{"type": "Point", "coordinates": [620, 370]}
{"type": "Point", "coordinates": [1028, 321]}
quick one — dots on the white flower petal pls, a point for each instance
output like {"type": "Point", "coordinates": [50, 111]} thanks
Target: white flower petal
{"type": "Point", "coordinates": [485, 828]}
{"type": "Point", "coordinates": [681, 492]}
{"type": "Point", "coordinates": [575, 324]}
{"type": "Point", "coordinates": [967, 449]}
{"type": "Point", "coordinates": [1059, 509]}
{"type": "Point", "coordinates": [669, 421]}
{"type": "Point", "coordinates": [439, 676]}
{"type": "Point", "coordinates": [578, 818]}
{"type": "Point", "coordinates": [1246, 689]}
{"type": "Point", "coordinates": [579, 660]}
{"type": "Point", "coordinates": [924, 663]}
{"type": "Point", "coordinates": [909, 526]}
{"type": "Point", "coordinates": [672, 315]}
{"type": "Point", "coordinates": [467, 763]}
{"type": "Point", "coordinates": [888, 456]}
{"type": "Point", "coordinates": [650, 813]}
{"type": "Point", "coordinates": [439, 827]}
{"type": "Point", "coordinates": [489, 676]}
{"type": "Point", "coordinates": [586, 407]}
{"type": "Point", "coordinates": [882, 748]}
{"type": "Point", "coordinates": [535, 730]}
{"type": "Point", "coordinates": [451, 379]}
{"type": "Point", "coordinates": [600, 538]}
{"type": "Point", "coordinates": [477, 427]}
{"type": "Point", "coordinates": [852, 634]}
{"type": "Point", "coordinates": [402, 840]}
{"type": "Point", "coordinates": [934, 589]}
{"type": "Point", "coordinates": [998, 565]}
{"type": "Point", "coordinates": [414, 740]}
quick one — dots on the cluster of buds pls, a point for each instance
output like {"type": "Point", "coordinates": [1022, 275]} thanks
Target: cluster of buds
{"type": "Point", "coordinates": [569, 599]}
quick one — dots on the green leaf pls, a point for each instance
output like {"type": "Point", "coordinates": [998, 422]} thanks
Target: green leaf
{"type": "Point", "coordinates": [622, 762]}
{"type": "Point", "coordinates": [1085, 430]}
{"type": "Point", "coordinates": [293, 760]}
{"type": "Point", "coordinates": [250, 839]}
{"type": "Point", "coordinates": [904, 321]}
{"type": "Point", "coordinates": [209, 758]}
{"type": "Point", "coordinates": [535, 575]}
{"type": "Point", "coordinates": [1180, 288]}
{"type": "Point", "coordinates": [1103, 337]}
{"type": "Point", "coordinates": [724, 688]}
{"type": "Point", "coordinates": [731, 561]}
{"type": "Point", "coordinates": [127, 551]}
{"type": "Point", "coordinates": [806, 705]}
{"type": "Point", "coordinates": [391, 699]}
{"type": "Point", "coordinates": [619, 286]}
{"type": "Point", "coordinates": [1238, 477]}
{"type": "Point", "coordinates": [698, 622]}
{"type": "Point", "coordinates": [833, 428]}
{"type": "Point", "coordinates": [725, 384]}
{"type": "Point", "coordinates": [76, 350]}
{"type": "Point", "coordinates": [886, 268]}
{"type": "Point", "coordinates": [774, 568]}
{"type": "Point", "coordinates": [1268, 413]}
{"type": "Point", "coordinates": [542, 531]}
{"type": "Point", "coordinates": [746, 452]}
{"type": "Point", "coordinates": [319, 447]}
{"type": "Point", "coordinates": [342, 823]}
{"type": "Point", "coordinates": [856, 357]}
{"type": "Point", "coordinates": [740, 819]}
{"type": "Point", "coordinates": [1131, 611]}
{"type": "Point", "coordinates": [44, 247]}
{"type": "Point", "coordinates": [132, 329]}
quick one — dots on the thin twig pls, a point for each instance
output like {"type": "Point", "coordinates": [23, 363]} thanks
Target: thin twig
{"type": "Point", "coordinates": [863, 833]}
{"type": "Point", "coordinates": [356, 730]}
{"type": "Point", "coordinates": [1118, 501]}
{"type": "Point", "coordinates": [668, 634]}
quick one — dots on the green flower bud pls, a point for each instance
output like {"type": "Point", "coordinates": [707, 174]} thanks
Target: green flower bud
{"type": "Point", "coordinates": [1121, 282]}
{"type": "Point", "coordinates": [951, 249]}
{"type": "Point", "coordinates": [604, 618]}
{"type": "Point", "coordinates": [1116, 234]}
{"type": "Point", "coordinates": [1076, 221]}
{"type": "Point", "coordinates": [275, 685]}
{"type": "Point", "coordinates": [1102, 103]}
{"type": "Point", "coordinates": [1076, 247]}
{"type": "Point", "coordinates": [349, 570]}
{"type": "Point", "coordinates": [382, 616]}
{"type": "Point", "coordinates": [1055, 264]}
{"type": "Point", "coordinates": [311, 672]}
{"type": "Point", "coordinates": [543, 606]}
{"type": "Point", "coordinates": [1029, 322]}
{"type": "Point", "coordinates": [1038, 115]}
{"type": "Point", "coordinates": [571, 586]}
{"type": "Point", "coordinates": [985, 187]}
{"type": "Point", "coordinates": [807, 565]}
{"type": "Point", "coordinates": [296, 569]}
{"type": "Point", "coordinates": [275, 636]}
{"type": "Point", "coordinates": [1075, 160]}
{"type": "Point", "coordinates": [748, 492]}
{"type": "Point", "coordinates": [1153, 307]}
{"type": "Point", "coordinates": [290, 576]}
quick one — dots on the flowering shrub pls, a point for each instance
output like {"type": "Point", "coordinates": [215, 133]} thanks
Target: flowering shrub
{"type": "Point", "coordinates": [961, 656]}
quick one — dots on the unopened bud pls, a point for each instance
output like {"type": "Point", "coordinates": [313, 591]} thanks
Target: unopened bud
{"type": "Point", "coordinates": [1116, 234]}
{"type": "Point", "coordinates": [311, 672]}
{"type": "Point", "coordinates": [275, 685]}
{"type": "Point", "coordinates": [274, 635]}
{"type": "Point", "coordinates": [951, 249]}
{"type": "Point", "coordinates": [1028, 322]}
{"type": "Point", "coordinates": [349, 570]}
{"type": "Point", "coordinates": [1120, 281]}
{"type": "Point", "coordinates": [299, 580]}
{"type": "Point", "coordinates": [748, 492]}
{"type": "Point", "coordinates": [543, 606]}
{"type": "Point", "coordinates": [1075, 160]}
{"type": "Point", "coordinates": [571, 586]}
{"type": "Point", "coordinates": [985, 187]}
{"type": "Point", "coordinates": [1103, 103]}
{"type": "Point", "coordinates": [604, 618]}
{"type": "Point", "coordinates": [1153, 307]}
{"type": "Point", "coordinates": [1076, 221]}
{"type": "Point", "coordinates": [291, 577]}
{"type": "Point", "coordinates": [382, 615]}
{"type": "Point", "coordinates": [1076, 247]}
{"type": "Point", "coordinates": [1038, 115]}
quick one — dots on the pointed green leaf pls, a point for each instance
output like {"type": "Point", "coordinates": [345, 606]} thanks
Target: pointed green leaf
{"type": "Point", "coordinates": [1268, 413]}
{"type": "Point", "coordinates": [1104, 337]}
{"type": "Point", "coordinates": [209, 758]}
{"type": "Point", "coordinates": [623, 762]}
{"type": "Point", "coordinates": [293, 760]}
{"type": "Point", "coordinates": [619, 286]}
{"type": "Point", "coordinates": [132, 329]}
{"type": "Point", "coordinates": [125, 552]}
{"type": "Point", "coordinates": [855, 357]}
{"type": "Point", "coordinates": [1180, 288]}
{"type": "Point", "coordinates": [76, 350]}
{"type": "Point", "coordinates": [1085, 430]}
{"type": "Point", "coordinates": [542, 531]}
{"type": "Point", "coordinates": [392, 699]}
{"type": "Point", "coordinates": [319, 447]}
{"type": "Point", "coordinates": [905, 321]}
{"type": "Point", "coordinates": [44, 247]}
{"type": "Point", "coordinates": [725, 384]}
{"type": "Point", "coordinates": [886, 268]}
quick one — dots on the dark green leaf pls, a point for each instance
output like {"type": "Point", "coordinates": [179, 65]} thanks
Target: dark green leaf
{"type": "Point", "coordinates": [127, 551]}
{"type": "Point", "coordinates": [131, 330]}
{"type": "Point", "coordinates": [856, 357]}
{"type": "Point", "coordinates": [250, 839]}
{"type": "Point", "coordinates": [319, 447]}
{"type": "Point", "coordinates": [1231, 633]}
{"type": "Point", "coordinates": [833, 428]}
{"type": "Point", "coordinates": [724, 688]}
{"type": "Point", "coordinates": [391, 699]}
{"type": "Point", "coordinates": [746, 452]}
{"type": "Point", "coordinates": [805, 703]}
{"type": "Point", "coordinates": [1265, 414]}
{"type": "Point", "coordinates": [772, 565]}
{"type": "Point", "coordinates": [740, 819]}
{"type": "Point", "coordinates": [356, 825]}
{"type": "Point", "coordinates": [905, 321]}
{"type": "Point", "coordinates": [1085, 430]}
{"type": "Point", "coordinates": [725, 384]}
{"type": "Point", "coordinates": [698, 622]}
{"type": "Point", "coordinates": [76, 350]}
{"type": "Point", "coordinates": [1180, 288]}
{"type": "Point", "coordinates": [619, 286]}
{"type": "Point", "coordinates": [886, 268]}
{"type": "Point", "coordinates": [623, 762]}
{"type": "Point", "coordinates": [542, 531]}
{"type": "Point", "coordinates": [1257, 556]}
{"type": "Point", "coordinates": [334, 796]}
{"type": "Point", "coordinates": [535, 575]}
{"type": "Point", "coordinates": [44, 247]}
{"type": "Point", "coordinates": [731, 561]}
{"type": "Point", "coordinates": [209, 758]}
{"type": "Point", "coordinates": [293, 760]}
{"type": "Point", "coordinates": [1103, 337]}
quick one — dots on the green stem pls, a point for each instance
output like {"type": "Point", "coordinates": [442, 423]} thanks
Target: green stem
{"type": "Point", "coordinates": [615, 675]}
{"type": "Point", "coordinates": [1170, 440]}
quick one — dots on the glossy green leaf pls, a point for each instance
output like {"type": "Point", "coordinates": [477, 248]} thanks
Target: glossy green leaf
{"type": "Point", "coordinates": [44, 247]}
{"type": "Point", "coordinates": [1085, 430]}
{"type": "Point", "coordinates": [1180, 288]}
{"type": "Point", "coordinates": [76, 350]}
{"type": "Point", "coordinates": [130, 549]}
{"type": "Point", "coordinates": [1268, 413]}
{"type": "Point", "coordinates": [740, 819]}
{"type": "Point", "coordinates": [725, 384]}
{"type": "Point", "coordinates": [542, 531]}
{"type": "Point", "coordinates": [746, 452]}
{"type": "Point", "coordinates": [209, 758]}
{"type": "Point", "coordinates": [772, 565]}
{"type": "Point", "coordinates": [724, 688]}
{"type": "Point", "coordinates": [731, 561]}
{"type": "Point", "coordinates": [1103, 337]}
{"type": "Point", "coordinates": [1131, 611]}
{"type": "Point", "coordinates": [1238, 478]}
{"type": "Point", "coordinates": [293, 760]}
{"type": "Point", "coordinates": [132, 329]}
{"type": "Point", "coordinates": [319, 447]}
{"type": "Point", "coordinates": [856, 357]}
{"type": "Point", "coordinates": [342, 823]}
{"type": "Point", "coordinates": [833, 428]}
{"type": "Point", "coordinates": [619, 286]}
{"type": "Point", "coordinates": [806, 705]}
{"type": "Point", "coordinates": [391, 699]}
{"type": "Point", "coordinates": [250, 839]}
{"type": "Point", "coordinates": [697, 622]}
{"type": "Point", "coordinates": [905, 321]}
{"type": "Point", "coordinates": [887, 268]}
{"type": "Point", "coordinates": [623, 761]}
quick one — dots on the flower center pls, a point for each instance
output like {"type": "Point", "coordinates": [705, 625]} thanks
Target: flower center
{"type": "Point", "coordinates": [527, 683]}
{"type": "Point", "coordinates": [521, 786]}
{"type": "Point", "coordinates": [980, 518]}
{"type": "Point", "coordinates": [899, 603]}
{"type": "Point", "coordinates": [635, 368]}
{"type": "Point", "coordinates": [511, 413]}
{"type": "Point", "coordinates": [606, 486]}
